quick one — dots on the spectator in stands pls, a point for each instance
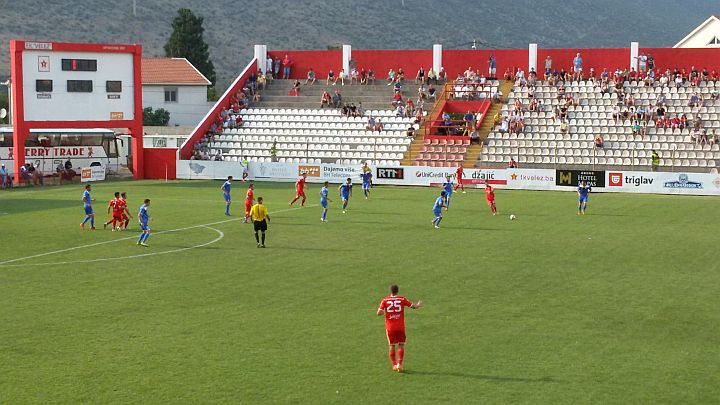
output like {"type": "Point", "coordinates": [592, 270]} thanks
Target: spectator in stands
{"type": "Point", "coordinates": [548, 68]}
{"type": "Point", "coordinates": [286, 63]}
{"type": "Point", "coordinates": [422, 93]}
{"type": "Point", "coordinates": [276, 67]}
{"type": "Point", "coordinates": [363, 76]}
{"type": "Point", "coordinates": [512, 164]}
{"type": "Point", "coordinates": [520, 78]}
{"type": "Point", "coordinates": [695, 100]}
{"type": "Point", "coordinates": [504, 125]}
{"type": "Point", "coordinates": [371, 76]}
{"type": "Point", "coordinates": [713, 138]}
{"type": "Point", "coordinates": [497, 96]}
{"type": "Point", "coordinates": [577, 67]}
{"type": "Point", "coordinates": [391, 77]}
{"type": "Point", "coordinates": [261, 81]}
{"type": "Point", "coordinates": [337, 99]}
{"type": "Point", "coordinates": [655, 160]}
{"type": "Point", "coordinates": [370, 124]}
{"type": "Point", "coordinates": [475, 137]}
{"type": "Point", "coordinates": [378, 125]}
{"type": "Point", "coordinates": [532, 77]}
{"type": "Point", "coordinates": [420, 76]}
{"type": "Point", "coordinates": [273, 151]}
{"type": "Point", "coordinates": [342, 76]}
{"type": "Point", "coordinates": [468, 120]}
{"type": "Point", "coordinates": [354, 76]}
{"type": "Point", "coordinates": [563, 127]}
{"type": "Point", "coordinates": [599, 142]}
{"type": "Point", "coordinates": [419, 115]}
{"type": "Point", "coordinates": [508, 74]}
{"type": "Point", "coordinates": [400, 110]}
{"type": "Point", "coordinates": [432, 76]}
{"type": "Point", "coordinates": [409, 107]}
{"type": "Point", "coordinates": [397, 99]}
{"type": "Point", "coordinates": [400, 75]}
{"type": "Point", "coordinates": [268, 66]}
{"type": "Point", "coordinates": [442, 75]}
{"type": "Point", "coordinates": [5, 181]}
{"type": "Point", "coordinates": [492, 66]}
{"type": "Point", "coordinates": [218, 156]}
{"type": "Point", "coordinates": [360, 110]}
{"type": "Point", "coordinates": [397, 86]}
{"type": "Point", "coordinates": [410, 133]}
{"type": "Point", "coordinates": [331, 78]}
{"type": "Point", "coordinates": [310, 77]}
{"type": "Point", "coordinates": [325, 99]}
{"type": "Point", "coordinates": [295, 88]}
{"type": "Point", "coordinates": [36, 175]}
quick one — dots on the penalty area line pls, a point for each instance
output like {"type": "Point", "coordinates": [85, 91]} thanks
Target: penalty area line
{"type": "Point", "coordinates": [7, 262]}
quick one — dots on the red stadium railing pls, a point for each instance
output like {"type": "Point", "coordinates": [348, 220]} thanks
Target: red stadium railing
{"type": "Point", "coordinates": [222, 104]}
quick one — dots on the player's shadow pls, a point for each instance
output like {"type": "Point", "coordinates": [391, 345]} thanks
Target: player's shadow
{"type": "Point", "coordinates": [484, 377]}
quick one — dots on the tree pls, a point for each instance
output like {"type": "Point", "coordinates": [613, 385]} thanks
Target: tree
{"type": "Point", "coordinates": [186, 41]}
{"type": "Point", "coordinates": [157, 118]}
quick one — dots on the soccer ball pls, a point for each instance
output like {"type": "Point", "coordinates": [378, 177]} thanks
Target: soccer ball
{"type": "Point", "coordinates": [512, 217]}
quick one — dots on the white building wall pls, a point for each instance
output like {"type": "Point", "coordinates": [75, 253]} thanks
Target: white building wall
{"type": "Point", "coordinates": [190, 108]}
{"type": "Point", "coordinates": [702, 37]}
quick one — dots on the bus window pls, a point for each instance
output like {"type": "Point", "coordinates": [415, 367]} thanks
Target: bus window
{"type": "Point", "coordinates": [6, 140]}
{"type": "Point", "coordinates": [92, 140]}
{"type": "Point", "coordinates": [110, 146]}
{"type": "Point", "coordinates": [70, 140]}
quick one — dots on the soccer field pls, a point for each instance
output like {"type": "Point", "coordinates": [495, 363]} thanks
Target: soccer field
{"type": "Point", "coordinates": [618, 306]}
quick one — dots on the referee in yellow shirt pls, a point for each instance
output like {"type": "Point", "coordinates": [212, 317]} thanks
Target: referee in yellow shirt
{"type": "Point", "coordinates": [260, 217]}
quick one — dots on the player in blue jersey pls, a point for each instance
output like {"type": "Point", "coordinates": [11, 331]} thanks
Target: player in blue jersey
{"type": "Point", "coordinates": [324, 201]}
{"type": "Point", "coordinates": [448, 188]}
{"type": "Point", "coordinates": [226, 194]}
{"type": "Point", "coordinates": [583, 190]}
{"type": "Point", "coordinates": [345, 193]}
{"type": "Point", "coordinates": [87, 205]}
{"type": "Point", "coordinates": [144, 220]}
{"type": "Point", "coordinates": [366, 176]}
{"type": "Point", "coordinates": [437, 209]}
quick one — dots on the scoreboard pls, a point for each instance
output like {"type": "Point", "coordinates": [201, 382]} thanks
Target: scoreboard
{"type": "Point", "coordinates": [61, 84]}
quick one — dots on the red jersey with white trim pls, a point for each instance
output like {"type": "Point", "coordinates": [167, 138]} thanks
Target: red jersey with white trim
{"type": "Point", "coordinates": [459, 173]}
{"type": "Point", "coordinates": [394, 308]}
{"type": "Point", "coordinates": [250, 195]}
{"type": "Point", "coordinates": [120, 206]}
{"type": "Point", "coordinates": [113, 204]}
{"type": "Point", "coordinates": [300, 184]}
{"type": "Point", "coordinates": [490, 194]}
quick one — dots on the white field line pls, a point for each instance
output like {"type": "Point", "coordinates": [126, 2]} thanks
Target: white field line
{"type": "Point", "coordinates": [104, 259]}
{"type": "Point", "coordinates": [6, 262]}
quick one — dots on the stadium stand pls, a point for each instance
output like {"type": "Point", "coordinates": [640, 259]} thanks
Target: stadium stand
{"type": "Point", "coordinates": [594, 111]}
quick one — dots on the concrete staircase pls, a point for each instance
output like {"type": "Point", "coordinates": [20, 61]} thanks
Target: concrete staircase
{"type": "Point", "coordinates": [373, 97]}
{"type": "Point", "coordinates": [472, 157]}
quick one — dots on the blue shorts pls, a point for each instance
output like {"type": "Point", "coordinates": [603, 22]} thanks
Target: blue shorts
{"type": "Point", "coordinates": [144, 226]}
{"type": "Point", "coordinates": [88, 210]}
{"type": "Point", "coordinates": [366, 186]}
{"type": "Point", "coordinates": [437, 213]}
{"type": "Point", "coordinates": [344, 197]}
{"type": "Point", "coordinates": [324, 203]}
{"type": "Point", "coordinates": [583, 199]}
{"type": "Point", "coordinates": [226, 197]}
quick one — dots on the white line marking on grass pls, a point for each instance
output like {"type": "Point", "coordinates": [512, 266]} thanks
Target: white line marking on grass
{"type": "Point", "coordinates": [7, 262]}
{"type": "Point", "coordinates": [104, 259]}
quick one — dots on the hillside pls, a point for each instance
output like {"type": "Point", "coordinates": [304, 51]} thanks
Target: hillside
{"type": "Point", "coordinates": [232, 27]}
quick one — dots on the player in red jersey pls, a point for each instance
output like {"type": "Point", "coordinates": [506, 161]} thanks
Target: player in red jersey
{"type": "Point", "coordinates": [490, 197]}
{"type": "Point", "coordinates": [124, 211]}
{"type": "Point", "coordinates": [459, 175]}
{"type": "Point", "coordinates": [112, 206]}
{"type": "Point", "coordinates": [300, 190]}
{"type": "Point", "coordinates": [393, 307]}
{"type": "Point", "coordinates": [249, 201]}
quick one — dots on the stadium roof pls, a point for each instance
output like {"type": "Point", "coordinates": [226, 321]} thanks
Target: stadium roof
{"type": "Point", "coordinates": [173, 71]}
{"type": "Point", "coordinates": [713, 19]}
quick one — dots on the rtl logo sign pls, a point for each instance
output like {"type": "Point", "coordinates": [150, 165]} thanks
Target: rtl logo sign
{"type": "Point", "coordinates": [391, 173]}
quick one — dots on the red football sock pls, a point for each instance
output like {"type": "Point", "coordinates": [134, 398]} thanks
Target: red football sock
{"type": "Point", "coordinates": [127, 222]}
{"type": "Point", "coordinates": [400, 354]}
{"type": "Point", "coordinates": [392, 355]}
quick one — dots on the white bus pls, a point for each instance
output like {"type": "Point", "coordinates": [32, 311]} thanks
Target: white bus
{"type": "Point", "coordinates": [46, 148]}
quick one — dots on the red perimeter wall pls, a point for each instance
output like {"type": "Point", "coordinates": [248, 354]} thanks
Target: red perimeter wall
{"type": "Point", "coordinates": [455, 61]}
{"type": "Point", "coordinates": [160, 162]}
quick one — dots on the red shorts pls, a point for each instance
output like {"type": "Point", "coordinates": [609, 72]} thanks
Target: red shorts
{"type": "Point", "coordinates": [300, 193]}
{"type": "Point", "coordinates": [248, 206]}
{"type": "Point", "coordinates": [491, 202]}
{"type": "Point", "coordinates": [118, 216]}
{"type": "Point", "coordinates": [395, 336]}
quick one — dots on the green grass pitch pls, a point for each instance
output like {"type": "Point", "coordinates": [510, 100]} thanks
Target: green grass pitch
{"type": "Point", "coordinates": [619, 306]}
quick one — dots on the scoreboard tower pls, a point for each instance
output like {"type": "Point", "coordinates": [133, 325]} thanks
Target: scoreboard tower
{"type": "Point", "coordinates": [75, 86]}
